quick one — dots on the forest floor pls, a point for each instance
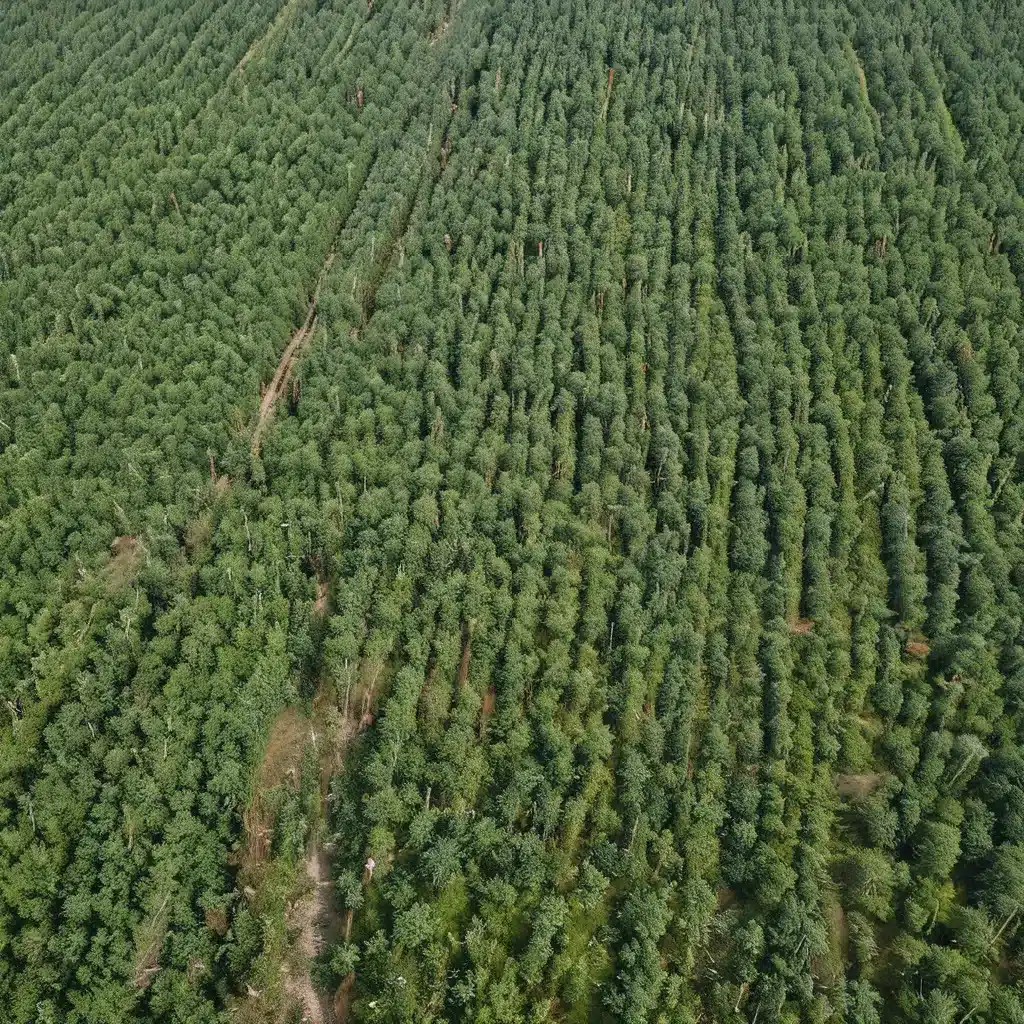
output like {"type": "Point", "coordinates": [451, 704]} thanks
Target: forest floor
{"type": "Point", "coordinates": [281, 765]}
{"type": "Point", "coordinates": [282, 375]}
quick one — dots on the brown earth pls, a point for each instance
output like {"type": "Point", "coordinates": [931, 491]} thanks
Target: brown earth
{"type": "Point", "coordinates": [856, 787]}
{"type": "Point", "coordinates": [343, 998]}
{"type": "Point", "coordinates": [312, 917]}
{"type": "Point", "coordinates": [282, 760]}
{"type": "Point", "coordinates": [126, 554]}
{"type": "Point", "coordinates": [487, 708]}
{"type": "Point", "coordinates": [320, 604]}
{"type": "Point", "coordinates": [316, 919]}
{"type": "Point", "coordinates": [282, 375]}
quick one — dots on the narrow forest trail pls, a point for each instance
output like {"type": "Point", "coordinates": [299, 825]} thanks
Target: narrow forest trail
{"type": "Point", "coordinates": [317, 920]}
{"type": "Point", "coordinates": [293, 349]}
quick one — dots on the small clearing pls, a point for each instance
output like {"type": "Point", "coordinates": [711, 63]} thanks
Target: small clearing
{"type": "Point", "coordinates": [487, 707]}
{"type": "Point", "coordinates": [126, 555]}
{"type": "Point", "coordinates": [440, 32]}
{"type": "Point", "coordinates": [312, 917]}
{"type": "Point", "coordinates": [282, 375]}
{"type": "Point", "coordinates": [150, 941]}
{"type": "Point", "coordinates": [724, 899]}
{"type": "Point", "coordinates": [315, 917]}
{"type": "Point", "coordinates": [857, 787]}
{"type": "Point", "coordinates": [917, 648]}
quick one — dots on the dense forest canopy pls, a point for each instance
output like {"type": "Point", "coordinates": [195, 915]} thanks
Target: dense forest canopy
{"type": "Point", "coordinates": [512, 512]}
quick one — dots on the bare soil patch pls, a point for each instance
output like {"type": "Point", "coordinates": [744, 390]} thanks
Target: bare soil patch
{"type": "Point", "coordinates": [464, 662]}
{"type": "Point", "coordinates": [282, 760]}
{"type": "Point", "coordinates": [312, 918]}
{"type": "Point", "coordinates": [917, 649]}
{"type": "Point", "coordinates": [487, 708]}
{"type": "Point", "coordinates": [857, 787]}
{"type": "Point", "coordinates": [126, 554]}
{"type": "Point", "coordinates": [315, 918]}
{"type": "Point", "coordinates": [217, 921]}
{"type": "Point", "coordinates": [343, 998]}
{"type": "Point", "coordinates": [282, 375]}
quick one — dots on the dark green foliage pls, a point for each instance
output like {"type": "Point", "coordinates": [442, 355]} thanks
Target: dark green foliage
{"type": "Point", "coordinates": [645, 523]}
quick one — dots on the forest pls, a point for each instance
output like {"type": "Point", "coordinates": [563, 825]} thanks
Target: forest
{"type": "Point", "coordinates": [512, 512]}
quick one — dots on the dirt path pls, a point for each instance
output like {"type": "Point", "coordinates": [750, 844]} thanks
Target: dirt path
{"type": "Point", "coordinates": [315, 917]}
{"type": "Point", "coordinates": [312, 917]}
{"type": "Point", "coordinates": [282, 374]}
